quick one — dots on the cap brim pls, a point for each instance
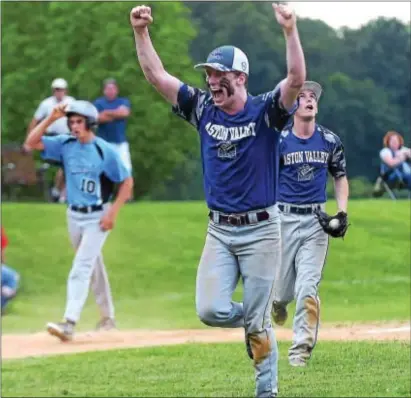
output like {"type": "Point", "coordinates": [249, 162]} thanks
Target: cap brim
{"type": "Point", "coordinates": [314, 87]}
{"type": "Point", "coordinates": [213, 65]}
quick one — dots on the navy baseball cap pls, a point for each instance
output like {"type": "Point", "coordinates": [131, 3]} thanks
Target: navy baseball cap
{"type": "Point", "coordinates": [227, 59]}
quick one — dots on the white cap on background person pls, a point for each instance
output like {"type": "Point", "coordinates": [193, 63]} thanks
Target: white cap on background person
{"type": "Point", "coordinates": [59, 83]}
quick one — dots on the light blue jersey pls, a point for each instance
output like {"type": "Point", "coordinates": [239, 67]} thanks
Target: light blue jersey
{"type": "Point", "coordinates": [9, 277]}
{"type": "Point", "coordinates": [91, 169]}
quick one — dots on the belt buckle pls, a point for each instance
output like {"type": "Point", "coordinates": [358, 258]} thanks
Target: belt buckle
{"type": "Point", "coordinates": [234, 219]}
{"type": "Point", "coordinates": [89, 209]}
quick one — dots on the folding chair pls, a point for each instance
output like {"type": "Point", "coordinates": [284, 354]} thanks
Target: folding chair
{"type": "Point", "coordinates": [385, 184]}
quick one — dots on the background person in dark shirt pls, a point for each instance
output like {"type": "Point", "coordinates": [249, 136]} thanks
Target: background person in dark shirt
{"type": "Point", "coordinates": [113, 113]}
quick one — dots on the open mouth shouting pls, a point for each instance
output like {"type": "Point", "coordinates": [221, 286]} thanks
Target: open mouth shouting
{"type": "Point", "coordinates": [221, 89]}
{"type": "Point", "coordinates": [217, 93]}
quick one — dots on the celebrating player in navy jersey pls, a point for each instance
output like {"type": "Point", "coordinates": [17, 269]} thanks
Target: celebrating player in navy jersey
{"type": "Point", "coordinates": [308, 152]}
{"type": "Point", "coordinates": [92, 168]}
{"type": "Point", "coordinates": [239, 136]}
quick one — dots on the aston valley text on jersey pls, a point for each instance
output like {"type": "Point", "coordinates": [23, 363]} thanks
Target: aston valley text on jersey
{"type": "Point", "coordinates": [305, 157]}
{"type": "Point", "coordinates": [235, 133]}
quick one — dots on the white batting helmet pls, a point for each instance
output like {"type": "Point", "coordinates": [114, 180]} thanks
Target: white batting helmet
{"type": "Point", "coordinates": [86, 109]}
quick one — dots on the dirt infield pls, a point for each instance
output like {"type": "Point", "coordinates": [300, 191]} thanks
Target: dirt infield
{"type": "Point", "coordinates": [41, 344]}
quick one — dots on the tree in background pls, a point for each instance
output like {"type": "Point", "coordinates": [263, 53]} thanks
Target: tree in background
{"type": "Point", "coordinates": [365, 73]}
{"type": "Point", "coordinates": [86, 42]}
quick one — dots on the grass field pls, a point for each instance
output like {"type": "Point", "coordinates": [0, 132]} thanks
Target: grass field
{"type": "Point", "coordinates": [152, 257]}
{"type": "Point", "coordinates": [153, 253]}
{"type": "Point", "coordinates": [339, 370]}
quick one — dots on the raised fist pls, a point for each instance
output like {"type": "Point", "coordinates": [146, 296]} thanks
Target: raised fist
{"type": "Point", "coordinates": [140, 17]}
{"type": "Point", "coordinates": [58, 112]}
{"type": "Point", "coordinates": [285, 15]}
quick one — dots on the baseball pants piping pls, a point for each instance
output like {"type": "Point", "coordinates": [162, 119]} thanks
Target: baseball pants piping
{"type": "Point", "coordinates": [88, 266]}
{"type": "Point", "coordinates": [304, 252]}
{"type": "Point", "coordinates": [251, 252]}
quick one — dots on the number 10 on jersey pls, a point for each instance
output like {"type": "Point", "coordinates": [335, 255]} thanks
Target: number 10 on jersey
{"type": "Point", "coordinates": [87, 185]}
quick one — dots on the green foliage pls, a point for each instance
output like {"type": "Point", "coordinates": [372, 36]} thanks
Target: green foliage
{"type": "Point", "coordinates": [356, 110]}
{"type": "Point", "coordinates": [360, 187]}
{"type": "Point", "coordinates": [153, 253]}
{"type": "Point", "coordinates": [382, 50]}
{"type": "Point", "coordinates": [364, 72]}
{"type": "Point", "coordinates": [360, 369]}
{"type": "Point", "coordinates": [248, 25]}
{"type": "Point", "coordinates": [86, 42]}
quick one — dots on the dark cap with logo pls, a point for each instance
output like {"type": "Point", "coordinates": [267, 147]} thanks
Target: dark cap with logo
{"type": "Point", "coordinates": [227, 59]}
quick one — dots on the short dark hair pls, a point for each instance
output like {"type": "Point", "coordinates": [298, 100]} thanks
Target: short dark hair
{"type": "Point", "coordinates": [110, 81]}
{"type": "Point", "coordinates": [238, 73]}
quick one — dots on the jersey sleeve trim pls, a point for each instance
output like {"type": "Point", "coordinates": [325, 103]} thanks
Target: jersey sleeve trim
{"type": "Point", "coordinates": [337, 163]}
{"type": "Point", "coordinates": [190, 104]}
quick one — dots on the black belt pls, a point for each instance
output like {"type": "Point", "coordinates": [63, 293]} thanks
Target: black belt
{"type": "Point", "coordinates": [86, 209]}
{"type": "Point", "coordinates": [299, 210]}
{"type": "Point", "coordinates": [238, 219]}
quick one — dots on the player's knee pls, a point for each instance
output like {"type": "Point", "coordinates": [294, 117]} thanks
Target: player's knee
{"type": "Point", "coordinates": [211, 315]}
{"type": "Point", "coordinates": [81, 270]}
{"type": "Point", "coordinates": [260, 346]}
{"type": "Point", "coordinates": [207, 315]}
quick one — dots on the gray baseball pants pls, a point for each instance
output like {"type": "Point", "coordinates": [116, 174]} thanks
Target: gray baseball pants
{"type": "Point", "coordinates": [304, 252]}
{"type": "Point", "coordinates": [251, 252]}
{"type": "Point", "coordinates": [88, 267]}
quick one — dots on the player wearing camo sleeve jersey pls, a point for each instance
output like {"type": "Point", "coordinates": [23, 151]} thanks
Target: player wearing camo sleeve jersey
{"type": "Point", "coordinates": [308, 152]}
{"type": "Point", "coordinates": [239, 135]}
{"type": "Point", "coordinates": [92, 168]}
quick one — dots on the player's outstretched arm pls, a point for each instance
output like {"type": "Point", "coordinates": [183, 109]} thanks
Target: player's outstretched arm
{"type": "Point", "coordinates": [342, 190]}
{"type": "Point", "coordinates": [296, 70]}
{"type": "Point", "coordinates": [168, 86]}
{"type": "Point", "coordinates": [33, 140]}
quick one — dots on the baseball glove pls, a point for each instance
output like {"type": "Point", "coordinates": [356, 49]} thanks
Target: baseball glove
{"type": "Point", "coordinates": [336, 229]}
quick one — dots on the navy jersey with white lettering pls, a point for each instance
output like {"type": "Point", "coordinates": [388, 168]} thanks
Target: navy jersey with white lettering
{"type": "Point", "coordinates": [239, 152]}
{"type": "Point", "coordinates": [305, 163]}
{"type": "Point", "coordinates": [91, 169]}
